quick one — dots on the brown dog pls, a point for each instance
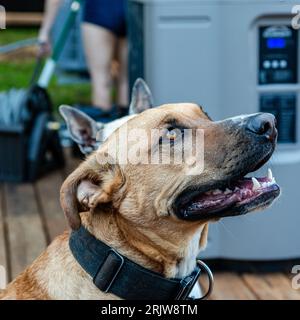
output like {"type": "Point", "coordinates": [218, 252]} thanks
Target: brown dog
{"type": "Point", "coordinates": [156, 214]}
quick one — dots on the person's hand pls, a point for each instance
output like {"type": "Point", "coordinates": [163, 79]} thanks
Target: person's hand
{"type": "Point", "coordinates": [44, 49]}
{"type": "Point", "coordinates": [44, 45]}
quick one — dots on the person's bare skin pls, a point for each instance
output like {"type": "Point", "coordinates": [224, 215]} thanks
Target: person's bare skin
{"type": "Point", "coordinates": [100, 45]}
{"type": "Point", "coordinates": [101, 48]}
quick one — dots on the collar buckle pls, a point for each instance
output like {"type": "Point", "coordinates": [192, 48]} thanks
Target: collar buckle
{"type": "Point", "coordinates": [187, 284]}
{"type": "Point", "coordinates": [109, 270]}
{"type": "Point", "coordinates": [186, 288]}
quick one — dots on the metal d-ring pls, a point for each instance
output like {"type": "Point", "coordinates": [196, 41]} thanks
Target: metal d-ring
{"type": "Point", "coordinates": [203, 266]}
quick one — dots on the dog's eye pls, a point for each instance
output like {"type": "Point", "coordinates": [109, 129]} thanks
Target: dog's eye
{"type": "Point", "coordinates": [172, 134]}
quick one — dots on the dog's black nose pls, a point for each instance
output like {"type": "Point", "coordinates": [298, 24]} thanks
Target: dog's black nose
{"type": "Point", "coordinates": [263, 124]}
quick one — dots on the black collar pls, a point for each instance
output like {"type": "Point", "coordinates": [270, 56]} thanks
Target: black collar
{"type": "Point", "coordinates": [114, 273]}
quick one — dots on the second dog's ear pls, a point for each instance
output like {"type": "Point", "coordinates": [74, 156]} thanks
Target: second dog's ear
{"type": "Point", "coordinates": [141, 98]}
{"type": "Point", "coordinates": [83, 129]}
{"type": "Point", "coordinates": [90, 185]}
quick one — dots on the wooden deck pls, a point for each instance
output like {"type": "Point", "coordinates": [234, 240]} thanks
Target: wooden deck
{"type": "Point", "coordinates": [30, 217]}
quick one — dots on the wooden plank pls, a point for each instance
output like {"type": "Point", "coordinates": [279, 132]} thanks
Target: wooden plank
{"type": "Point", "coordinates": [25, 229]}
{"type": "Point", "coordinates": [3, 244]}
{"type": "Point", "coordinates": [259, 284]}
{"type": "Point", "coordinates": [272, 286]}
{"type": "Point", "coordinates": [71, 162]}
{"type": "Point", "coordinates": [229, 286]}
{"type": "Point", "coordinates": [47, 189]}
{"type": "Point", "coordinates": [284, 285]}
{"type": "Point", "coordinates": [23, 18]}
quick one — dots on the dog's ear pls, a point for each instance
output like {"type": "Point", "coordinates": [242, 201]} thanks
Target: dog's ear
{"type": "Point", "coordinates": [89, 186]}
{"type": "Point", "coordinates": [141, 98]}
{"type": "Point", "coordinates": [83, 129]}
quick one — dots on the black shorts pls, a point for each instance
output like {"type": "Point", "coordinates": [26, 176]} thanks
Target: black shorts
{"type": "Point", "coordinates": [109, 14]}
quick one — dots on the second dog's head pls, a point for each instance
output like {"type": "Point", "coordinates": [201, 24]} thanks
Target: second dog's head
{"type": "Point", "coordinates": [89, 134]}
{"type": "Point", "coordinates": [172, 196]}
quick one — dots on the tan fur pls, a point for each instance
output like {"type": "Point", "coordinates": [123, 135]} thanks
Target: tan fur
{"type": "Point", "coordinates": [128, 207]}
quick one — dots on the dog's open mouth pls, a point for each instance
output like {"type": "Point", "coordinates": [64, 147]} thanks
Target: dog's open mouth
{"type": "Point", "coordinates": [235, 198]}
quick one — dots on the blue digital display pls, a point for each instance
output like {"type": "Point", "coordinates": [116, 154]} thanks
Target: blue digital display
{"type": "Point", "coordinates": [276, 43]}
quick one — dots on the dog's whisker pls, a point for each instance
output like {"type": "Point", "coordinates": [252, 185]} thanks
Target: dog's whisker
{"type": "Point", "coordinates": [228, 231]}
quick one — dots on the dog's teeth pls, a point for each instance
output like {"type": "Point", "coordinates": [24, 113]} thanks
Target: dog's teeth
{"type": "Point", "coordinates": [256, 184]}
{"type": "Point", "coordinates": [273, 180]}
{"type": "Point", "coordinates": [270, 174]}
{"type": "Point", "coordinates": [265, 184]}
{"type": "Point", "coordinates": [227, 191]}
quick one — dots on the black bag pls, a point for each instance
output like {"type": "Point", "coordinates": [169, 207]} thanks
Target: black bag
{"type": "Point", "coordinates": [29, 142]}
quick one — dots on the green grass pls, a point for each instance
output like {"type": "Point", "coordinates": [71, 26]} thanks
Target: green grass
{"type": "Point", "coordinates": [10, 35]}
{"type": "Point", "coordinates": [17, 73]}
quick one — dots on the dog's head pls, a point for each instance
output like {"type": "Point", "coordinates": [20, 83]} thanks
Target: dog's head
{"type": "Point", "coordinates": [89, 134]}
{"type": "Point", "coordinates": [174, 195]}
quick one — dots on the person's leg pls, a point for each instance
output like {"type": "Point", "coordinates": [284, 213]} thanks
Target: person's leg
{"type": "Point", "coordinates": [99, 46]}
{"type": "Point", "coordinates": [122, 81]}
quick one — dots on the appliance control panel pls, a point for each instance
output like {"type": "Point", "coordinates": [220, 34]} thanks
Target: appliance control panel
{"type": "Point", "coordinates": [283, 106]}
{"type": "Point", "coordinates": [278, 55]}
{"type": "Point", "coordinates": [278, 65]}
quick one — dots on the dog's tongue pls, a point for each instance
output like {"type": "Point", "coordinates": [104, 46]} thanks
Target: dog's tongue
{"type": "Point", "coordinates": [240, 191]}
{"type": "Point", "coordinates": [212, 202]}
